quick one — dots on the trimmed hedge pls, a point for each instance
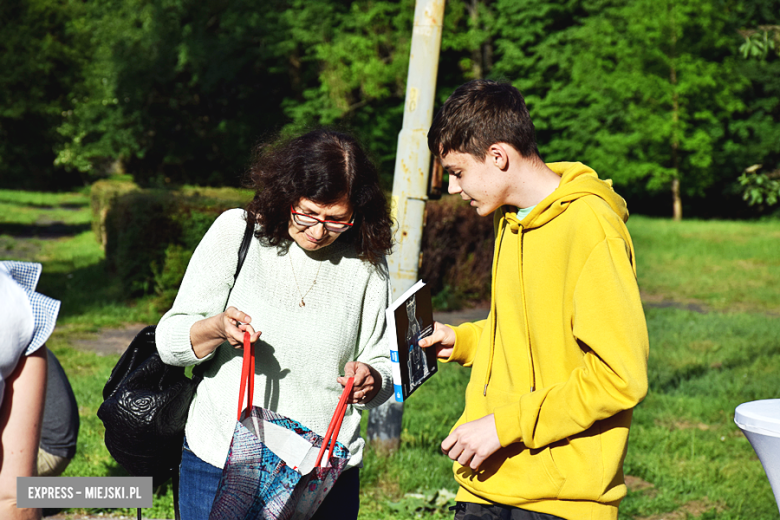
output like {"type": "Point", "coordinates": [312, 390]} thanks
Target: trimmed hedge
{"type": "Point", "coordinates": [150, 234]}
{"type": "Point", "coordinates": [102, 196]}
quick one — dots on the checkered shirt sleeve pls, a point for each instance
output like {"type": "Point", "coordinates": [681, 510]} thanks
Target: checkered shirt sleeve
{"type": "Point", "coordinates": [45, 309]}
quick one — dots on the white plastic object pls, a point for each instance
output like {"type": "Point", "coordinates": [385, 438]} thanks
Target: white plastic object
{"type": "Point", "coordinates": [760, 422]}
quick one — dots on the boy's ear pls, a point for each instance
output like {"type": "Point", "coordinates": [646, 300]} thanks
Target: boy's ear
{"type": "Point", "coordinates": [498, 156]}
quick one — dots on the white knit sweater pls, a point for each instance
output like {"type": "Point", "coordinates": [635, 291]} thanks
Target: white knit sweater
{"type": "Point", "coordinates": [302, 350]}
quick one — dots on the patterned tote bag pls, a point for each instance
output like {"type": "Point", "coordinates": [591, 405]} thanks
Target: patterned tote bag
{"type": "Point", "coordinates": [277, 469]}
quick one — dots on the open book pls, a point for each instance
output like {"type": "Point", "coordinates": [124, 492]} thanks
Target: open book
{"type": "Point", "coordinates": [409, 319]}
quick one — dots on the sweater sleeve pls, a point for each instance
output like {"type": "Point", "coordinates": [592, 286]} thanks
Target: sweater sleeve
{"type": "Point", "coordinates": [373, 339]}
{"type": "Point", "coordinates": [204, 289]}
{"type": "Point", "coordinates": [466, 340]}
{"type": "Point", "coordinates": [609, 324]}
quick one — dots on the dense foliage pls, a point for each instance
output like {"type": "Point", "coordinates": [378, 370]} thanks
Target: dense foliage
{"type": "Point", "coordinates": [662, 96]}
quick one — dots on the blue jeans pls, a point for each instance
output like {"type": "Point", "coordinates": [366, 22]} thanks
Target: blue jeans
{"type": "Point", "coordinates": [199, 480]}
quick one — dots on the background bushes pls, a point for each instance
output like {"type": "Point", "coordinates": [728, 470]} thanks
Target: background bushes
{"type": "Point", "coordinates": [180, 91]}
{"type": "Point", "coordinates": [457, 247]}
{"type": "Point", "coordinates": [103, 194]}
{"type": "Point", "coordinates": [150, 234]}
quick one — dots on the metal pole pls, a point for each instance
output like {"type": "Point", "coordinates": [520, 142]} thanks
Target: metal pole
{"type": "Point", "coordinates": [410, 184]}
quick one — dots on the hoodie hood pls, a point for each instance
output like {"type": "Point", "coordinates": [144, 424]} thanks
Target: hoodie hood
{"type": "Point", "coordinates": [577, 181]}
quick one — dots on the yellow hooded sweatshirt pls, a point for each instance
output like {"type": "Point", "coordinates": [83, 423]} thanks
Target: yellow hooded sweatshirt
{"type": "Point", "coordinates": [561, 359]}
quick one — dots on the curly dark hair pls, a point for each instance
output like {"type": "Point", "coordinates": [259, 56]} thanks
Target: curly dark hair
{"type": "Point", "coordinates": [323, 166]}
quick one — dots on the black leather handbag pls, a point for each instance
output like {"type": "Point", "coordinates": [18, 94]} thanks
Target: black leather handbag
{"type": "Point", "coordinates": [146, 402]}
{"type": "Point", "coordinates": [144, 410]}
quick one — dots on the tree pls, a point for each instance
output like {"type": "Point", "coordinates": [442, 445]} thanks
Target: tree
{"type": "Point", "coordinates": [759, 125]}
{"type": "Point", "coordinates": [651, 94]}
{"type": "Point", "coordinates": [39, 64]}
{"type": "Point", "coordinates": [655, 86]}
{"type": "Point", "coordinates": [178, 90]}
{"type": "Point", "coordinates": [760, 42]}
{"type": "Point", "coordinates": [469, 26]}
{"type": "Point", "coordinates": [532, 49]}
{"type": "Point", "coordinates": [360, 61]}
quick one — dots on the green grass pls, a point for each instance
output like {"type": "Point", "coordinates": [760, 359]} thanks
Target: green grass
{"type": "Point", "coordinates": [93, 298]}
{"type": "Point", "coordinates": [45, 199]}
{"type": "Point", "coordinates": [725, 266]}
{"type": "Point", "coordinates": [686, 458]}
{"type": "Point", "coordinates": [419, 466]}
{"type": "Point", "coordinates": [683, 438]}
{"type": "Point", "coordinates": [30, 208]}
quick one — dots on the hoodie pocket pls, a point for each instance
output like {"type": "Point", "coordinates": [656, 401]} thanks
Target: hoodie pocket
{"type": "Point", "coordinates": [516, 472]}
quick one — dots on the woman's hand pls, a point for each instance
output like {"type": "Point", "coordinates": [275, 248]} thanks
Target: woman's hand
{"type": "Point", "coordinates": [209, 333]}
{"type": "Point", "coordinates": [234, 324]}
{"type": "Point", "coordinates": [367, 383]}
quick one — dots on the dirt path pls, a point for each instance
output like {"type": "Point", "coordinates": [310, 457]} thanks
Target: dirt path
{"type": "Point", "coordinates": [115, 340]}
{"type": "Point", "coordinates": [109, 341]}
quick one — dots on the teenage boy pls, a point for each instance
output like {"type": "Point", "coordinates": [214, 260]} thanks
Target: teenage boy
{"type": "Point", "coordinates": [561, 360]}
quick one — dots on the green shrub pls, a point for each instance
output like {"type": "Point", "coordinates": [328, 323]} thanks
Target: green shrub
{"type": "Point", "coordinates": [168, 277]}
{"type": "Point", "coordinates": [457, 248]}
{"type": "Point", "coordinates": [103, 195]}
{"type": "Point", "coordinates": [151, 235]}
{"type": "Point", "coordinates": [139, 228]}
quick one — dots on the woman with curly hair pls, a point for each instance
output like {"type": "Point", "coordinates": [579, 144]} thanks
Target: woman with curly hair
{"type": "Point", "coordinates": [312, 293]}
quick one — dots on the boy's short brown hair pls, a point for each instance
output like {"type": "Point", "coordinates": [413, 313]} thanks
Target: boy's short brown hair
{"type": "Point", "coordinates": [481, 113]}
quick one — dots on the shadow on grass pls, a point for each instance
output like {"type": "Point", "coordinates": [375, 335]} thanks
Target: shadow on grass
{"type": "Point", "coordinates": [688, 346]}
{"type": "Point", "coordinates": [88, 290]}
{"type": "Point", "coordinates": [113, 469]}
{"type": "Point", "coordinates": [666, 304]}
{"type": "Point", "coordinates": [673, 381]}
{"type": "Point", "coordinates": [48, 230]}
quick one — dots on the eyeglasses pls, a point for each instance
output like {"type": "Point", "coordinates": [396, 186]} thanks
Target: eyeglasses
{"type": "Point", "coordinates": [334, 226]}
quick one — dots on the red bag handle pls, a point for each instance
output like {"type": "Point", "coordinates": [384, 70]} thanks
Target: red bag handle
{"type": "Point", "coordinates": [335, 423]}
{"type": "Point", "coordinates": [247, 374]}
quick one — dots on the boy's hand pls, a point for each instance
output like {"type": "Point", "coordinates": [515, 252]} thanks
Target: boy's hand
{"type": "Point", "coordinates": [473, 442]}
{"type": "Point", "coordinates": [442, 339]}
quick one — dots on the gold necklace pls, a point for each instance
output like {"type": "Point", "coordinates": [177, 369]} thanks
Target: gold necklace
{"type": "Point", "coordinates": [303, 303]}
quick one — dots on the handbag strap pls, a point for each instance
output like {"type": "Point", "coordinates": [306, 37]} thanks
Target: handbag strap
{"type": "Point", "coordinates": [248, 232]}
{"type": "Point", "coordinates": [335, 423]}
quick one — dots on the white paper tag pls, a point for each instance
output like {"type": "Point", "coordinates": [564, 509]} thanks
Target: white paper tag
{"type": "Point", "coordinates": [293, 449]}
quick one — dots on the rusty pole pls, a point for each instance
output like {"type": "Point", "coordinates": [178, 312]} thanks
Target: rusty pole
{"type": "Point", "coordinates": [410, 184]}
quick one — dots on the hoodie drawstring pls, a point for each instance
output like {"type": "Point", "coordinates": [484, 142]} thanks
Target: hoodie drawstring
{"type": "Point", "coordinates": [511, 222]}
{"type": "Point", "coordinates": [493, 314]}
{"type": "Point", "coordinates": [532, 372]}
